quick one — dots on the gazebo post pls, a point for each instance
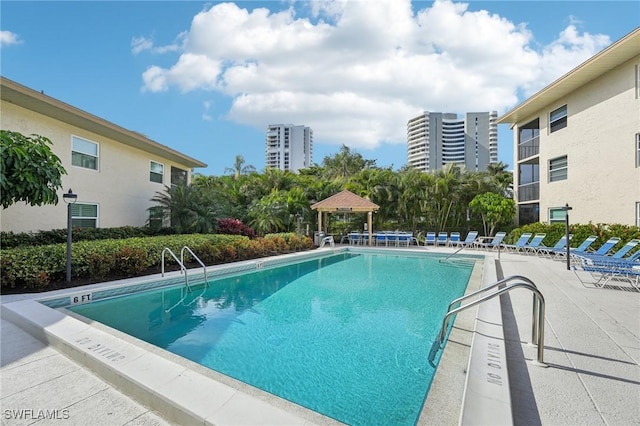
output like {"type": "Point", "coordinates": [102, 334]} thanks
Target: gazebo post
{"type": "Point", "coordinates": [319, 222]}
{"type": "Point", "coordinates": [369, 223]}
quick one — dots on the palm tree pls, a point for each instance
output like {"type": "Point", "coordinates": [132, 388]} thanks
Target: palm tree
{"type": "Point", "coordinates": [239, 168]}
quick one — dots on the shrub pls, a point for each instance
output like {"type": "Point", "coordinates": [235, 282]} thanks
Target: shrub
{"type": "Point", "coordinates": [231, 226]}
{"type": "Point", "coordinates": [35, 267]}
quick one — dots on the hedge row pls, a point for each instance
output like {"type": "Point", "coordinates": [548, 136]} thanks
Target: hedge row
{"type": "Point", "coordinates": [580, 232]}
{"type": "Point", "coordinates": [57, 236]}
{"type": "Point", "coordinates": [38, 267]}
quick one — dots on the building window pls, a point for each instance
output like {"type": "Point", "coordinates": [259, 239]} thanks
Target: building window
{"type": "Point", "coordinates": [84, 215]}
{"type": "Point", "coordinates": [558, 169]}
{"type": "Point", "coordinates": [156, 217]}
{"type": "Point", "coordinates": [178, 177]}
{"type": "Point", "coordinates": [156, 172]}
{"type": "Point", "coordinates": [557, 215]}
{"type": "Point", "coordinates": [84, 153]}
{"type": "Point", "coordinates": [558, 119]}
{"type": "Point", "coordinates": [528, 213]}
{"type": "Point", "coordinates": [637, 149]}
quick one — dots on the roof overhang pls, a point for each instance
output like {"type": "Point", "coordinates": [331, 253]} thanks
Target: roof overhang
{"type": "Point", "coordinates": [39, 102]}
{"type": "Point", "coordinates": [345, 202]}
{"type": "Point", "coordinates": [617, 54]}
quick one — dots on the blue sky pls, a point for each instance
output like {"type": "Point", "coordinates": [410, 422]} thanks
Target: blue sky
{"type": "Point", "coordinates": [207, 78]}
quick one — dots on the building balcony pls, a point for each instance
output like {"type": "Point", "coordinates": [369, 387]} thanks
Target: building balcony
{"type": "Point", "coordinates": [529, 192]}
{"type": "Point", "coordinates": [529, 148]}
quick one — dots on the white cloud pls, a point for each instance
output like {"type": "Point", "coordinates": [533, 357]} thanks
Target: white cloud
{"type": "Point", "coordinates": [356, 71]}
{"type": "Point", "coordinates": [140, 44]}
{"type": "Point", "coordinates": [8, 38]}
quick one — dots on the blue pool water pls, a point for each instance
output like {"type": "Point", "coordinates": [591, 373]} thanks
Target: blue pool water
{"type": "Point", "coordinates": [347, 335]}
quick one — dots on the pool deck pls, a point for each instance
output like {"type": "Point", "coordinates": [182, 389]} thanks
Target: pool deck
{"type": "Point", "coordinates": [592, 350]}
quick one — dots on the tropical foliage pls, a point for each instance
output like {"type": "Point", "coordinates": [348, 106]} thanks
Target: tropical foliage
{"type": "Point", "coordinates": [29, 170]}
{"type": "Point", "coordinates": [280, 201]}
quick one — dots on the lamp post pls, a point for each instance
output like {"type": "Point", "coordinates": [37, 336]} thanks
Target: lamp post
{"type": "Point", "coordinates": [69, 198]}
{"type": "Point", "coordinates": [566, 209]}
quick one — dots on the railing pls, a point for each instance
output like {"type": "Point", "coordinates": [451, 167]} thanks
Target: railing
{"type": "Point", "coordinates": [204, 268]}
{"type": "Point", "coordinates": [537, 328]}
{"type": "Point", "coordinates": [183, 269]}
{"type": "Point", "coordinates": [529, 148]}
{"type": "Point", "coordinates": [529, 191]}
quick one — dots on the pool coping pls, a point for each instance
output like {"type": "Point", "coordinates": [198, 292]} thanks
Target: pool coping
{"type": "Point", "coordinates": [187, 393]}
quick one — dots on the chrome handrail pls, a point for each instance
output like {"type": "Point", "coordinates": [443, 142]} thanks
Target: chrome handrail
{"type": "Point", "coordinates": [537, 326]}
{"type": "Point", "coordinates": [182, 267]}
{"type": "Point", "coordinates": [204, 268]}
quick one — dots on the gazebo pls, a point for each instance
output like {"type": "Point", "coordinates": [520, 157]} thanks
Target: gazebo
{"type": "Point", "coordinates": [346, 202]}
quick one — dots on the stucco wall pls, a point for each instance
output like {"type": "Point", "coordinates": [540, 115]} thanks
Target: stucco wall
{"type": "Point", "coordinates": [121, 186]}
{"type": "Point", "coordinates": [603, 184]}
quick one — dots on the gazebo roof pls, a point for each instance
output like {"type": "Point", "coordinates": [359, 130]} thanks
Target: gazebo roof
{"type": "Point", "coordinates": [345, 201]}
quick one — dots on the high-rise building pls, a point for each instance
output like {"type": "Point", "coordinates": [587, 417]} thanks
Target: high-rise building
{"type": "Point", "coordinates": [289, 147]}
{"type": "Point", "coordinates": [435, 139]}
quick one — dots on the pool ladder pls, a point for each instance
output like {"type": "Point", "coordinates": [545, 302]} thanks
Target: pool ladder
{"type": "Point", "coordinates": [537, 328]}
{"type": "Point", "coordinates": [183, 269]}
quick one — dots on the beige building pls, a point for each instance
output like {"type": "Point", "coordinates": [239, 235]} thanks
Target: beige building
{"type": "Point", "coordinates": [577, 142]}
{"type": "Point", "coordinates": [114, 171]}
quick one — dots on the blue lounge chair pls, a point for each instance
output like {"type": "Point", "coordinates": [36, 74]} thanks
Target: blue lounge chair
{"type": "Point", "coordinates": [403, 239]}
{"type": "Point", "coordinates": [582, 248]}
{"type": "Point", "coordinates": [354, 238]}
{"type": "Point", "coordinates": [381, 239]}
{"type": "Point", "coordinates": [494, 243]}
{"type": "Point", "coordinates": [552, 251]}
{"type": "Point", "coordinates": [443, 237]}
{"type": "Point", "coordinates": [454, 238]}
{"type": "Point", "coordinates": [617, 255]}
{"type": "Point", "coordinates": [607, 268]}
{"type": "Point", "coordinates": [534, 244]}
{"type": "Point", "coordinates": [430, 239]}
{"type": "Point", "coordinates": [469, 240]}
{"type": "Point", "coordinates": [519, 245]}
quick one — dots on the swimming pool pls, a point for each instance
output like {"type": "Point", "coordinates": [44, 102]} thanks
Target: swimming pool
{"type": "Point", "coordinates": [345, 335]}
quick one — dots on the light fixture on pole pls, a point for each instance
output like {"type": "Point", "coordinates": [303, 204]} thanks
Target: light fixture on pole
{"type": "Point", "coordinates": [69, 198]}
{"type": "Point", "coordinates": [566, 209]}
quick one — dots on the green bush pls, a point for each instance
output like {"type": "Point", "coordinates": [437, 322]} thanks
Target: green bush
{"type": "Point", "coordinates": [36, 267]}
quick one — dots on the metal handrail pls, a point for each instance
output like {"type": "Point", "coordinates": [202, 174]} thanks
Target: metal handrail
{"type": "Point", "coordinates": [534, 329]}
{"type": "Point", "coordinates": [182, 267]}
{"type": "Point", "coordinates": [204, 268]}
{"type": "Point", "coordinates": [537, 326]}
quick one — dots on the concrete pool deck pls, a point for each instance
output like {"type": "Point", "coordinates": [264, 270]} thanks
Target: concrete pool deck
{"type": "Point", "coordinates": [592, 348]}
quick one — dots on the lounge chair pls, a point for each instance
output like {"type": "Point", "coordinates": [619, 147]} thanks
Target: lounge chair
{"type": "Point", "coordinates": [582, 248]}
{"type": "Point", "coordinates": [454, 239]}
{"type": "Point", "coordinates": [443, 237]}
{"type": "Point", "coordinates": [552, 251]}
{"type": "Point", "coordinates": [469, 240]}
{"type": "Point", "coordinates": [617, 255]}
{"type": "Point", "coordinates": [381, 239]}
{"type": "Point", "coordinates": [354, 238]}
{"type": "Point", "coordinates": [403, 239]}
{"type": "Point", "coordinates": [430, 239]}
{"type": "Point", "coordinates": [534, 244]}
{"type": "Point", "coordinates": [519, 245]}
{"type": "Point", "coordinates": [607, 268]}
{"type": "Point", "coordinates": [495, 243]}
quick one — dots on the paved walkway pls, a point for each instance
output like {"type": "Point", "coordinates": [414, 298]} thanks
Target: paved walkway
{"type": "Point", "coordinates": [41, 386]}
{"type": "Point", "coordinates": [592, 348]}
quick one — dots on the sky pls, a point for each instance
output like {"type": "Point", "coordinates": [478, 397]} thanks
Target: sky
{"type": "Point", "coordinates": [207, 78]}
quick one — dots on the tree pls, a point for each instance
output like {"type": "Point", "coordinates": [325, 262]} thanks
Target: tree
{"type": "Point", "coordinates": [494, 210]}
{"type": "Point", "coordinates": [345, 164]}
{"type": "Point", "coordinates": [239, 168]}
{"type": "Point", "coordinates": [29, 171]}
